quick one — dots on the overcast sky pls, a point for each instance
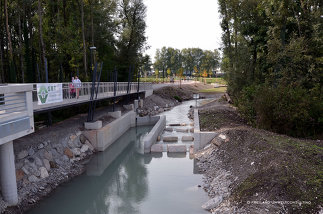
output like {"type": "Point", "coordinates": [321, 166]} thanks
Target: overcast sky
{"type": "Point", "coordinates": [182, 24]}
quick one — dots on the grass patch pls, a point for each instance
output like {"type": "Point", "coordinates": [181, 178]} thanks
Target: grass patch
{"type": "Point", "coordinates": [214, 90]}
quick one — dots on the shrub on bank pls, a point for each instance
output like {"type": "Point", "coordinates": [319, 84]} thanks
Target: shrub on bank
{"type": "Point", "coordinates": [288, 110]}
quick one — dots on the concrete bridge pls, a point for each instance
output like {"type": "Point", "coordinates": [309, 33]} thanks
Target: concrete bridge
{"type": "Point", "coordinates": [19, 102]}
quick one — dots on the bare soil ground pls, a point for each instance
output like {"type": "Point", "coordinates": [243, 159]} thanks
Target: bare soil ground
{"type": "Point", "coordinates": [169, 96]}
{"type": "Point", "coordinates": [264, 172]}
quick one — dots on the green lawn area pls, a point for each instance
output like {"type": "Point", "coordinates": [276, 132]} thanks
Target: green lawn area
{"type": "Point", "coordinates": [214, 90]}
{"type": "Point", "coordinates": [218, 80]}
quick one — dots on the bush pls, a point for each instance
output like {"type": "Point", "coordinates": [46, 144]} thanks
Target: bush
{"type": "Point", "coordinates": [179, 99]}
{"type": "Point", "coordinates": [288, 110]}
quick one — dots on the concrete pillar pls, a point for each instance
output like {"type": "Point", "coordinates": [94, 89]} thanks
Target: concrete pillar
{"type": "Point", "coordinates": [141, 103]}
{"type": "Point", "coordinates": [135, 104]}
{"type": "Point", "coordinates": [8, 174]}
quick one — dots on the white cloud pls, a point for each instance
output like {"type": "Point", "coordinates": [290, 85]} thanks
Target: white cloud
{"type": "Point", "coordinates": [182, 24]}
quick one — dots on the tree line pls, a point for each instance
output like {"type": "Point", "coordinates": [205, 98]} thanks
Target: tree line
{"type": "Point", "coordinates": [272, 56]}
{"type": "Point", "coordinates": [192, 60]}
{"type": "Point", "coordinates": [57, 35]}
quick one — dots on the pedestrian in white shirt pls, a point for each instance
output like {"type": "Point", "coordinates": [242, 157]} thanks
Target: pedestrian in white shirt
{"type": "Point", "coordinates": [77, 85]}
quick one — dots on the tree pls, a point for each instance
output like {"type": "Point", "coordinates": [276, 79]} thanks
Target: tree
{"type": "Point", "coordinates": [180, 73]}
{"type": "Point", "coordinates": [273, 49]}
{"type": "Point", "coordinates": [169, 72]}
{"type": "Point", "coordinates": [132, 39]}
{"type": "Point", "coordinates": [204, 74]}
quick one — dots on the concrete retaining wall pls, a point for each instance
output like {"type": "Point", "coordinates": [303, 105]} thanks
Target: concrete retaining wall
{"type": "Point", "coordinates": [201, 138]}
{"type": "Point", "coordinates": [151, 138]}
{"type": "Point", "coordinates": [149, 93]}
{"type": "Point", "coordinates": [104, 137]}
{"type": "Point", "coordinates": [141, 121]}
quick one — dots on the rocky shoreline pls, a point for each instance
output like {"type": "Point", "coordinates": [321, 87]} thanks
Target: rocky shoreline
{"type": "Point", "coordinates": [41, 168]}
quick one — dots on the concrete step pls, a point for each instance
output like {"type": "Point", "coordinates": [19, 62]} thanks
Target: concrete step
{"type": "Point", "coordinates": [168, 129]}
{"type": "Point", "coordinates": [176, 148]}
{"type": "Point", "coordinates": [170, 139]}
{"type": "Point", "coordinates": [181, 130]}
{"type": "Point", "coordinates": [187, 138]}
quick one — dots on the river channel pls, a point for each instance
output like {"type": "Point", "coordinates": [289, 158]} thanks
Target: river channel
{"type": "Point", "coordinates": [120, 180]}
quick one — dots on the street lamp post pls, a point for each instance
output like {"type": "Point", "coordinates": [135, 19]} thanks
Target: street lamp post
{"type": "Point", "coordinates": [92, 56]}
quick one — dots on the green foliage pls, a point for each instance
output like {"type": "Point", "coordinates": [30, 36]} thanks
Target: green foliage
{"type": "Point", "coordinates": [272, 57]}
{"type": "Point", "coordinates": [179, 99]}
{"type": "Point", "coordinates": [116, 28]}
{"type": "Point", "coordinates": [187, 58]}
{"type": "Point", "coordinates": [289, 110]}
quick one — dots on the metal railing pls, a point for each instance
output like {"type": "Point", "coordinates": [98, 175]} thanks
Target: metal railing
{"type": "Point", "coordinates": [105, 90]}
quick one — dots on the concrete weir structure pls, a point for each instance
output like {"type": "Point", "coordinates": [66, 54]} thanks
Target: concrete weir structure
{"type": "Point", "coordinates": [201, 138]}
{"type": "Point", "coordinates": [16, 120]}
{"type": "Point", "coordinates": [104, 137]}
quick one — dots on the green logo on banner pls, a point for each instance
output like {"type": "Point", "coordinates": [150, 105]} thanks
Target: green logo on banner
{"type": "Point", "coordinates": [42, 94]}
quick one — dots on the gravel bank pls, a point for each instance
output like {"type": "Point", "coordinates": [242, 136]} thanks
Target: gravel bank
{"type": "Point", "coordinates": [248, 170]}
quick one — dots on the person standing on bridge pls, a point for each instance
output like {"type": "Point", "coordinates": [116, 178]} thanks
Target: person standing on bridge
{"type": "Point", "coordinates": [72, 88]}
{"type": "Point", "coordinates": [78, 85]}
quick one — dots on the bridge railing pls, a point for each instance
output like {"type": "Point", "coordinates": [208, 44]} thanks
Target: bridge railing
{"type": "Point", "coordinates": [106, 89]}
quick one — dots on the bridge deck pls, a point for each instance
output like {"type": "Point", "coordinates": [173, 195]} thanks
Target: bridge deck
{"type": "Point", "coordinates": [105, 91]}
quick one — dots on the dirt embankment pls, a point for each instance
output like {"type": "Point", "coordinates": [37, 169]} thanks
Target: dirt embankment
{"type": "Point", "coordinates": [165, 98]}
{"type": "Point", "coordinates": [249, 170]}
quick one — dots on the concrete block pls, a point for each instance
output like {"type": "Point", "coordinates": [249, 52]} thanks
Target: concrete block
{"type": "Point", "coordinates": [136, 104]}
{"type": "Point", "coordinates": [187, 138]}
{"type": "Point", "coordinates": [168, 129]}
{"type": "Point", "coordinates": [128, 107]}
{"type": "Point", "coordinates": [176, 148]}
{"type": "Point", "coordinates": [170, 139]}
{"type": "Point", "coordinates": [156, 148]}
{"type": "Point", "coordinates": [176, 154]}
{"type": "Point", "coordinates": [181, 130]}
{"type": "Point", "coordinates": [93, 125]}
{"type": "Point", "coordinates": [149, 92]}
{"type": "Point", "coordinates": [115, 114]}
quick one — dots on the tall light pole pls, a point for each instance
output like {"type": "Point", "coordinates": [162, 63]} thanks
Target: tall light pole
{"type": "Point", "coordinates": [92, 57]}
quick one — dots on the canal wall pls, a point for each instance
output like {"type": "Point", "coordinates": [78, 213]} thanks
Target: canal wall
{"type": "Point", "coordinates": [152, 136]}
{"type": "Point", "coordinates": [201, 139]}
{"type": "Point", "coordinates": [104, 137]}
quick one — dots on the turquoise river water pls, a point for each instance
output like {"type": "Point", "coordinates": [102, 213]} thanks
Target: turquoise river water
{"type": "Point", "coordinates": [122, 181]}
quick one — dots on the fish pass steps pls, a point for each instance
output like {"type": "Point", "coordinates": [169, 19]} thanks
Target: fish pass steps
{"type": "Point", "coordinates": [172, 148]}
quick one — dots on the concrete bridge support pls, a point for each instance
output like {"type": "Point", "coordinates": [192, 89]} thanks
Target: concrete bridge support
{"type": "Point", "coordinates": [8, 173]}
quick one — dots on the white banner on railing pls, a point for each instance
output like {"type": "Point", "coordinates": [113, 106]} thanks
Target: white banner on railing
{"type": "Point", "coordinates": [49, 93]}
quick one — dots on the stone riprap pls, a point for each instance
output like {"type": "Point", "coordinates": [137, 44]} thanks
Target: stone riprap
{"type": "Point", "coordinates": [41, 168]}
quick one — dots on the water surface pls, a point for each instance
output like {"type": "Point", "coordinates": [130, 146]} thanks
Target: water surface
{"type": "Point", "coordinates": [122, 181]}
